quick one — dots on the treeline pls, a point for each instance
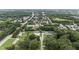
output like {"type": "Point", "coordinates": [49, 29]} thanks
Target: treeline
{"type": "Point", "coordinates": [62, 40]}
{"type": "Point", "coordinates": [16, 14]}
{"type": "Point", "coordinates": [63, 16]}
{"type": "Point", "coordinates": [28, 41]}
{"type": "Point", "coordinates": [7, 29]}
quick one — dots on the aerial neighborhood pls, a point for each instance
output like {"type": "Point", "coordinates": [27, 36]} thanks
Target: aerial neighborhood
{"type": "Point", "coordinates": [39, 29]}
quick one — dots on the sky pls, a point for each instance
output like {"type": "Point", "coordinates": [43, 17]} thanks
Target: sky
{"type": "Point", "coordinates": [39, 4]}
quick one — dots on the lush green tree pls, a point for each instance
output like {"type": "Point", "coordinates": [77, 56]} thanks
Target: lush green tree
{"type": "Point", "coordinates": [60, 32]}
{"type": "Point", "coordinates": [65, 43]}
{"type": "Point", "coordinates": [28, 42]}
{"type": "Point", "coordinates": [76, 45]}
{"type": "Point", "coordinates": [51, 43]}
{"type": "Point", "coordinates": [73, 36]}
{"type": "Point", "coordinates": [33, 36]}
{"type": "Point", "coordinates": [34, 45]}
{"type": "Point", "coordinates": [22, 45]}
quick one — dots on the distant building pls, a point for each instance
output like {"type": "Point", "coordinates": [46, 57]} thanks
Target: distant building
{"type": "Point", "coordinates": [62, 27]}
{"type": "Point", "coordinates": [72, 27]}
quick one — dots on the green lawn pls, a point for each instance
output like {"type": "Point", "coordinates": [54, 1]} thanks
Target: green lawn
{"type": "Point", "coordinates": [7, 44]}
{"type": "Point", "coordinates": [58, 19]}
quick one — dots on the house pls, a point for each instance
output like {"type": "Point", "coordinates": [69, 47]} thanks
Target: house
{"type": "Point", "coordinates": [62, 27]}
{"type": "Point", "coordinates": [72, 27]}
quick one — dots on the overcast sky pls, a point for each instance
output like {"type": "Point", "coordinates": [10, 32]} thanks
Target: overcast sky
{"type": "Point", "coordinates": [39, 4]}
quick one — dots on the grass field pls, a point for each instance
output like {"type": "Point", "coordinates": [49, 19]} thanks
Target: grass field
{"type": "Point", "coordinates": [7, 44]}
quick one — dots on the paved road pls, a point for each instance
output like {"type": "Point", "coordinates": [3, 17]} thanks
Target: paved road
{"type": "Point", "coordinates": [23, 24]}
{"type": "Point", "coordinates": [49, 20]}
{"type": "Point", "coordinates": [41, 40]}
{"type": "Point", "coordinates": [17, 39]}
{"type": "Point", "coordinates": [37, 32]}
{"type": "Point", "coordinates": [9, 36]}
{"type": "Point", "coordinates": [42, 37]}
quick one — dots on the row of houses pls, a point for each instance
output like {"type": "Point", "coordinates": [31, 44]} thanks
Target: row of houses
{"type": "Point", "coordinates": [72, 27]}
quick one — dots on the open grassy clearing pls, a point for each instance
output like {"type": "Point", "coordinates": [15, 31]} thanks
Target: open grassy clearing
{"type": "Point", "coordinates": [58, 19]}
{"type": "Point", "coordinates": [8, 43]}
